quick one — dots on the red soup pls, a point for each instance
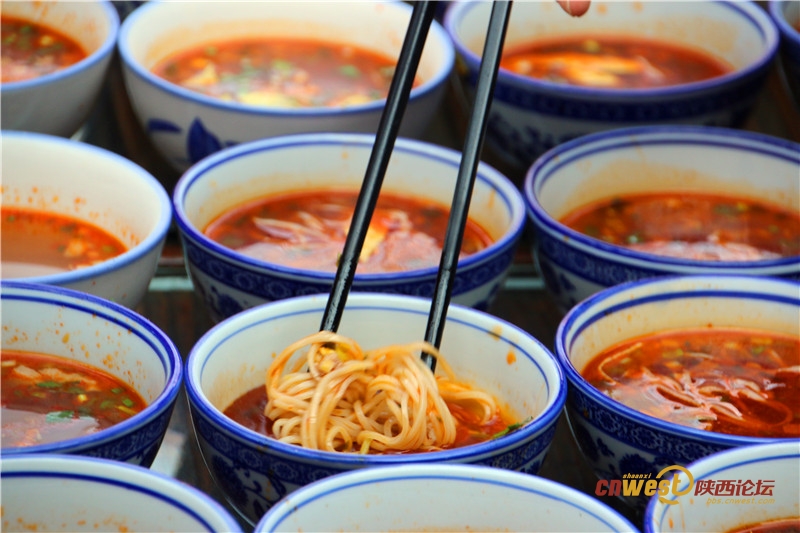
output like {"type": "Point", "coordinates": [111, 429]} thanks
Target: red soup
{"type": "Point", "coordinates": [282, 72]}
{"type": "Point", "coordinates": [612, 62]}
{"type": "Point", "coordinates": [29, 50]}
{"type": "Point", "coordinates": [39, 243]}
{"type": "Point", "coordinates": [735, 381]}
{"type": "Point", "coordinates": [48, 399]}
{"type": "Point", "coordinates": [786, 525]}
{"type": "Point", "coordinates": [248, 410]}
{"type": "Point", "coordinates": [692, 226]}
{"type": "Point", "coordinates": [308, 230]}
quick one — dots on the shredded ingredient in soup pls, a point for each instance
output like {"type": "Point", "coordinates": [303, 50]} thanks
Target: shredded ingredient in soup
{"type": "Point", "coordinates": [735, 381]}
{"type": "Point", "coordinates": [37, 243]}
{"type": "Point", "coordinates": [692, 226]}
{"type": "Point", "coordinates": [29, 50]}
{"type": "Point", "coordinates": [337, 397]}
{"type": "Point", "coordinates": [46, 399]}
{"type": "Point", "coordinates": [612, 62]}
{"type": "Point", "coordinates": [282, 72]}
{"type": "Point", "coordinates": [309, 229]}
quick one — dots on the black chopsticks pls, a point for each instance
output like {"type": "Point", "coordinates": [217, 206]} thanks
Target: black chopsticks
{"type": "Point", "coordinates": [417, 33]}
{"type": "Point", "coordinates": [421, 18]}
{"type": "Point", "coordinates": [473, 145]}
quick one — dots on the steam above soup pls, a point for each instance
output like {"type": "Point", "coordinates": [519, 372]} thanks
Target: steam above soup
{"type": "Point", "coordinates": [735, 381]}
{"type": "Point", "coordinates": [308, 230]}
{"type": "Point", "coordinates": [692, 226]}
{"type": "Point", "coordinates": [612, 62]}
{"type": "Point", "coordinates": [282, 72]}
{"type": "Point", "coordinates": [29, 50]}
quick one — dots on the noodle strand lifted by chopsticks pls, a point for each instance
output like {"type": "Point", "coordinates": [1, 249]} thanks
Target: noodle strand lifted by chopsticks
{"type": "Point", "coordinates": [341, 398]}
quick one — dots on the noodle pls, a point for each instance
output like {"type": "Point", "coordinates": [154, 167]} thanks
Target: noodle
{"type": "Point", "coordinates": [342, 398]}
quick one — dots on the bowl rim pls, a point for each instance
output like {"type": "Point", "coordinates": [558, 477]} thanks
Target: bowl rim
{"type": "Point", "coordinates": [252, 317]}
{"type": "Point", "coordinates": [760, 20]}
{"type": "Point", "coordinates": [611, 140]}
{"type": "Point", "coordinates": [720, 461]}
{"type": "Point", "coordinates": [778, 12]}
{"type": "Point", "coordinates": [436, 36]}
{"type": "Point", "coordinates": [446, 472]}
{"type": "Point", "coordinates": [134, 253]}
{"type": "Point", "coordinates": [117, 314]}
{"type": "Point", "coordinates": [101, 53]}
{"type": "Point", "coordinates": [673, 291]}
{"type": "Point", "coordinates": [506, 190]}
{"type": "Point", "coordinates": [108, 472]}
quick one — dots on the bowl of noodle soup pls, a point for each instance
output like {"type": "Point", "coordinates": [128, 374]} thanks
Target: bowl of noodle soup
{"type": "Point", "coordinates": [487, 371]}
{"type": "Point", "coordinates": [688, 366]}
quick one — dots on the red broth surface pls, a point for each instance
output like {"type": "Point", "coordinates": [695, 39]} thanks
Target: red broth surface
{"type": "Point", "coordinates": [612, 62]}
{"type": "Point", "coordinates": [692, 226]}
{"type": "Point", "coordinates": [29, 50]}
{"type": "Point", "coordinates": [38, 243]}
{"type": "Point", "coordinates": [786, 525]}
{"type": "Point", "coordinates": [47, 399]}
{"type": "Point", "coordinates": [308, 230]}
{"type": "Point", "coordinates": [248, 410]}
{"type": "Point", "coordinates": [740, 382]}
{"type": "Point", "coordinates": [282, 72]}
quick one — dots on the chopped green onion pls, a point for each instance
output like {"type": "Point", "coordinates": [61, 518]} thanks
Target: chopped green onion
{"type": "Point", "coordinates": [351, 71]}
{"type": "Point", "coordinates": [127, 402]}
{"type": "Point", "coordinates": [49, 384]}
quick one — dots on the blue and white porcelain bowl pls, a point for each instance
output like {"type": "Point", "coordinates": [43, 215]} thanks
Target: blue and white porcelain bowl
{"type": "Point", "coordinates": [187, 126]}
{"type": "Point", "coordinates": [787, 18]}
{"type": "Point", "coordinates": [78, 326]}
{"type": "Point", "coordinates": [616, 439]}
{"type": "Point", "coordinates": [97, 186]}
{"type": "Point", "coordinates": [650, 159]}
{"type": "Point", "coordinates": [229, 281]}
{"type": "Point", "coordinates": [456, 497]}
{"type": "Point", "coordinates": [255, 471]}
{"type": "Point", "coordinates": [59, 103]}
{"type": "Point", "coordinates": [50, 492]}
{"type": "Point", "coordinates": [731, 490]}
{"type": "Point", "coordinates": [530, 116]}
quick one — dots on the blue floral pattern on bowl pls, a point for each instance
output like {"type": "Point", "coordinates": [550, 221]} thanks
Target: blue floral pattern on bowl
{"type": "Point", "coordinates": [254, 482]}
{"type": "Point", "coordinates": [201, 142]}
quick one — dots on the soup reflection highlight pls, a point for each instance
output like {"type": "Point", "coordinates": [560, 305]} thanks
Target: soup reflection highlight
{"type": "Point", "coordinates": [285, 73]}
{"type": "Point", "coordinates": [612, 62]}
{"type": "Point", "coordinates": [309, 229]}
{"type": "Point", "coordinates": [39, 243]}
{"type": "Point", "coordinates": [47, 399]}
{"type": "Point", "coordinates": [692, 226]}
{"type": "Point", "coordinates": [734, 381]}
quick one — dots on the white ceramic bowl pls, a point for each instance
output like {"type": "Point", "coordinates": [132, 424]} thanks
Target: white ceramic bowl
{"type": "Point", "coordinates": [618, 440]}
{"type": "Point", "coordinates": [187, 126]}
{"type": "Point", "coordinates": [62, 322]}
{"type": "Point", "coordinates": [229, 281]}
{"type": "Point", "coordinates": [764, 483]}
{"type": "Point", "coordinates": [530, 116]}
{"type": "Point", "coordinates": [98, 186]}
{"type": "Point", "coordinates": [67, 493]}
{"type": "Point", "coordinates": [59, 103]}
{"type": "Point", "coordinates": [255, 471]}
{"type": "Point", "coordinates": [787, 18]}
{"type": "Point", "coordinates": [652, 158]}
{"type": "Point", "coordinates": [440, 497]}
